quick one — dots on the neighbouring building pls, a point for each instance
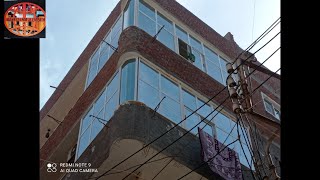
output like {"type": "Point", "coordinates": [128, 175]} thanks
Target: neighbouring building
{"type": "Point", "coordinates": [150, 65]}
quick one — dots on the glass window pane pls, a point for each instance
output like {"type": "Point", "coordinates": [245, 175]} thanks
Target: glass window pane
{"type": "Point", "coordinates": [223, 122]}
{"type": "Point", "coordinates": [93, 67]}
{"type": "Point", "coordinates": [242, 157]}
{"type": "Point", "coordinates": [118, 26]}
{"type": "Point", "coordinates": [92, 74]}
{"type": "Point", "coordinates": [182, 34]}
{"type": "Point", "coordinates": [205, 110]}
{"type": "Point", "coordinates": [192, 121]}
{"type": "Point", "coordinates": [113, 86]}
{"type": "Point", "coordinates": [214, 71]}
{"type": "Point", "coordinates": [195, 43]}
{"type": "Point", "coordinates": [268, 106]}
{"type": "Point", "coordinates": [86, 121]}
{"type": "Point", "coordinates": [243, 135]}
{"type": "Point", "coordinates": [147, 24]}
{"type": "Point", "coordinates": [230, 140]}
{"type": "Point", "coordinates": [207, 128]}
{"type": "Point", "coordinates": [213, 57]}
{"type": "Point", "coordinates": [149, 75]}
{"type": "Point", "coordinates": [98, 105]}
{"type": "Point", "coordinates": [146, 9]}
{"type": "Point", "coordinates": [104, 56]}
{"type": "Point", "coordinates": [129, 15]}
{"type": "Point", "coordinates": [127, 81]}
{"type": "Point", "coordinates": [111, 106]}
{"type": "Point", "coordinates": [170, 109]}
{"type": "Point", "coordinates": [84, 141]}
{"type": "Point", "coordinates": [166, 22]}
{"type": "Point", "coordinates": [198, 61]}
{"type": "Point", "coordinates": [166, 38]}
{"type": "Point", "coordinates": [224, 69]}
{"type": "Point", "coordinates": [148, 95]}
{"type": "Point", "coordinates": [277, 113]}
{"type": "Point", "coordinates": [169, 88]}
{"type": "Point", "coordinates": [189, 100]}
{"type": "Point", "coordinates": [221, 135]}
{"type": "Point", "coordinates": [115, 40]}
{"type": "Point", "coordinates": [97, 126]}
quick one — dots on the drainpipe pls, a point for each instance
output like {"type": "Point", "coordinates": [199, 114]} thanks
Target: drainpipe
{"type": "Point", "coordinates": [272, 167]}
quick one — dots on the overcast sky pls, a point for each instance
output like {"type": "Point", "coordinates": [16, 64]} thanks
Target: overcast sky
{"type": "Point", "coordinates": [71, 24]}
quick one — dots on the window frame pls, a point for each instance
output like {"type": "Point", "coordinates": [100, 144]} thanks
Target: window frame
{"type": "Point", "coordinates": [274, 105]}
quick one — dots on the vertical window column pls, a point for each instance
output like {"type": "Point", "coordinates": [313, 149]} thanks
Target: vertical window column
{"type": "Point", "coordinates": [128, 81]}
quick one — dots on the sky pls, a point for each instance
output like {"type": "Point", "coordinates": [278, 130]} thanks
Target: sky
{"type": "Point", "coordinates": [72, 24]}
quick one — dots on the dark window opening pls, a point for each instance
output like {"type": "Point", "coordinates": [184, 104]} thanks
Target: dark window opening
{"type": "Point", "coordinates": [184, 49]}
{"type": "Point", "coordinates": [72, 154]}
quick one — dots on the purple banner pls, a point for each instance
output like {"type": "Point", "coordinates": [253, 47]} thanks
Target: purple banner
{"type": "Point", "coordinates": [226, 164]}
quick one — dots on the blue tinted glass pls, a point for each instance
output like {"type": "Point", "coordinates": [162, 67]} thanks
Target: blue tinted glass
{"type": "Point", "coordinates": [111, 106]}
{"type": "Point", "coordinates": [197, 61]}
{"type": "Point", "coordinates": [182, 34]}
{"type": "Point", "coordinates": [127, 81]}
{"type": "Point", "coordinates": [96, 125]}
{"type": "Point", "coordinates": [207, 128]}
{"type": "Point", "coordinates": [195, 43]}
{"type": "Point", "coordinates": [148, 95]}
{"type": "Point", "coordinates": [91, 76]}
{"type": "Point", "coordinates": [93, 67]}
{"type": "Point", "coordinates": [96, 128]}
{"type": "Point", "coordinates": [148, 75]}
{"type": "Point", "coordinates": [104, 56]}
{"type": "Point", "coordinates": [129, 15]}
{"type": "Point", "coordinates": [210, 55]}
{"type": "Point", "coordinates": [221, 135]}
{"type": "Point", "coordinates": [118, 25]}
{"type": "Point", "coordinates": [230, 140]}
{"type": "Point", "coordinates": [189, 100]}
{"type": "Point", "coordinates": [86, 121]}
{"type": "Point", "coordinates": [214, 71]}
{"type": "Point", "coordinates": [169, 88]}
{"type": "Point", "coordinates": [205, 110]}
{"type": "Point", "coordinates": [98, 105]}
{"type": "Point", "coordinates": [84, 141]}
{"type": "Point", "coordinates": [192, 121]}
{"type": "Point", "coordinates": [223, 122]}
{"type": "Point", "coordinates": [146, 9]}
{"type": "Point", "coordinates": [242, 157]}
{"type": "Point", "coordinates": [115, 39]}
{"type": "Point", "coordinates": [170, 109]}
{"type": "Point", "coordinates": [113, 86]}
{"type": "Point", "coordinates": [147, 24]}
{"type": "Point", "coordinates": [166, 38]}
{"type": "Point", "coordinates": [166, 22]}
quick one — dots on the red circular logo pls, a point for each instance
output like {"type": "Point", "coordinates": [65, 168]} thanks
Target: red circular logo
{"type": "Point", "coordinates": [25, 19]}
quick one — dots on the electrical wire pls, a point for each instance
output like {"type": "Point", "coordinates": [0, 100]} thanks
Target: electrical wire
{"type": "Point", "coordinates": [238, 118]}
{"type": "Point", "coordinates": [189, 132]}
{"type": "Point", "coordinates": [244, 151]}
{"type": "Point", "coordinates": [178, 123]}
{"type": "Point", "coordinates": [190, 143]}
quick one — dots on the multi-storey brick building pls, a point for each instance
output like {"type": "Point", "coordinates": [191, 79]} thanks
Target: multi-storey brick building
{"type": "Point", "coordinates": [149, 53]}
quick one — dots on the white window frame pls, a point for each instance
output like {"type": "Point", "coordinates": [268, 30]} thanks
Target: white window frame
{"type": "Point", "coordinates": [275, 106]}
